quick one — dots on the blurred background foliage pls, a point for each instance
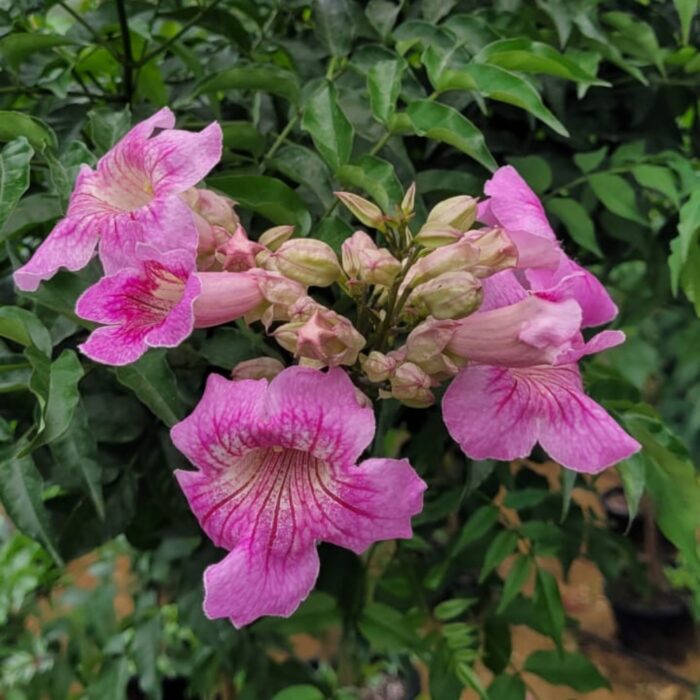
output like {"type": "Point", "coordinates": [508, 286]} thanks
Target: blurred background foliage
{"type": "Point", "coordinates": [597, 105]}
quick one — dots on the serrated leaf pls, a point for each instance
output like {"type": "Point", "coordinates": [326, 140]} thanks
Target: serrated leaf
{"type": "Point", "coordinates": [154, 383]}
{"type": "Point", "coordinates": [14, 175]}
{"type": "Point", "coordinates": [267, 196]}
{"type": "Point", "coordinates": [616, 195]}
{"type": "Point", "coordinates": [498, 84]}
{"type": "Point", "coordinates": [384, 87]}
{"type": "Point", "coordinates": [577, 221]}
{"type": "Point", "coordinates": [514, 581]}
{"type": "Point", "coordinates": [266, 77]}
{"type": "Point", "coordinates": [534, 57]}
{"type": "Point", "coordinates": [567, 668]}
{"type": "Point", "coordinates": [503, 544]}
{"type": "Point", "coordinates": [442, 123]}
{"type": "Point", "coordinates": [328, 126]}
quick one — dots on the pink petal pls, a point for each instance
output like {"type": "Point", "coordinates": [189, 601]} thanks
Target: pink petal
{"type": "Point", "coordinates": [501, 289]}
{"type": "Point", "coordinates": [318, 412]}
{"type": "Point", "coordinates": [490, 414]}
{"type": "Point", "coordinates": [598, 343]}
{"type": "Point", "coordinates": [514, 205]}
{"type": "Point", "coordinates": [225, 296]}
{"type": "Point", "coordinates": [71, 244]}
{"type": "Point", "coordinates": [114, 345]}
{"type": "Point", "coordinates": [177, 160]}
{"type": "Point", "coordinates": [248, 584]}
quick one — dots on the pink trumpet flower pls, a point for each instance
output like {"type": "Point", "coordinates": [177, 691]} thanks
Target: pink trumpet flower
{"type": "Point", "coordinates": [515, 207]}
{"type": "Point", "coordinates": [277, 474]}
{"type": "Point", "coordinates": [132, 197]}
{"type": "Point", "coordinates": [158, 302]}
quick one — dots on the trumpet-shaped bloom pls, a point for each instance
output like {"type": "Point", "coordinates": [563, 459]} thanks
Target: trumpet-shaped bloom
{"type": "Point", "coordinates": [132, 197]}
{"type": "Point", "coordinates": [276, 474]}
{"type": "Point", "coordinates": [515, 207]}
{"type": "Point", "coordinates": [157, 302]}
{"type": "Point", "coordinates": [500, 413]}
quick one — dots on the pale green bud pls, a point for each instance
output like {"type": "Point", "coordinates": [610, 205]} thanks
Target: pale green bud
{"type": "Point", "coordinates": [366, 212]}
{"type": "Point", "coordinates": [456, 212]}
{"type": "Point", "coordinates": [308, 261]}
{"type": "Point", "coordinates": [450, 295]}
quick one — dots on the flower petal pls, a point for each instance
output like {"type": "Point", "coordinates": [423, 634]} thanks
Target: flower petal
{"type": "Point", "coordinates": [115, 345]}
{"type": "Point", "coordinates": [318, 412]}
{"type": "Point", "coordinates": [246, 584]}
{"type": "Point", "coordinates": [71, 244]}
{"type": "Point", "coordinates": [177, 160]}
{"type": "Point", "coordinates": [490, 414]}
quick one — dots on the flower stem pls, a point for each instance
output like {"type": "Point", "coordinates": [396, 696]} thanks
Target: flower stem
{"type": "Point", "coordinates": [128, 62]}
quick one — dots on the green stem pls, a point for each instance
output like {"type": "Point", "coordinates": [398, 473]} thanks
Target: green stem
{"type": "Point", "coordinates": [95, 34]}
{"type": "Point", "coordinates": [128, 63]}
{"type": "Point", "coordinates": [281, 138]}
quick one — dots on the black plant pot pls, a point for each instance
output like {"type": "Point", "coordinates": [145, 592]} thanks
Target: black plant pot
{"type": "Point", "coordinates": [661, 627]}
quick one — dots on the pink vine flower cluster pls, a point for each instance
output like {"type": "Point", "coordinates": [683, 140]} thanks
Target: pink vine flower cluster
{"type": "Point", "coordinates": [481, 300]}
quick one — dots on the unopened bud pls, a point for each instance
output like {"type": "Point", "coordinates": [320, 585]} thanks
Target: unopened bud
{"type": "Point", "coordinates": [456, 212]}
{"type": "Point", "coordinates": [377, 366]}
{"type": "Point", "coordinates": [433, 236]}
{"type": "Point", "coordinates": [425, 347]}
{"type": "Point", "coordinates": [309, 261]}
{"type": "Point", "coordinates": [216, 209]}
{"type": "Point", "coordinates": [350, 252]}
{"type": "Point", "coordinates": [273, 238]}
{"type": "Point", "coordinates": [411, 385]}
{"type": "Point", "coordinates": [366, 212]}
{"type": "Point", "coordinates": [238, 252]}
{"type": "Point", "coordinates": [279, 293]}
{"type": "Point", "coordinates": [496, 251]}
{"type": "Point", "coordinates": [451, 258]}
{"type": "Point", "coordinates": [409, 200]}
{"type": "Point", "coordinates": [449, 295]}
{"type": "Point", "coordinates": [258, 368]}
{"type": "Point", "coordinates": [363, 260]}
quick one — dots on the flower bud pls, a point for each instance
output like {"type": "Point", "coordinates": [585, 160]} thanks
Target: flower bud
{"type": "Point", "coordinates": [326, 337]}
{"type": "Point", "coordinates": [411, 385]}
{"type": "Point", "coordinates": [449, 295]}
{"type": "Point", "coordinates": [258, 368]}
{"type": "Point", "coordinates": [456, 212]}
{"type": "Point", "coordinates": [350, 252]}
{"type": "Point", "coordinates": [496, 251]}
{"type": "Point", "coordinates": [366, 212]}
{"type": "Point", "coordinates": [274, 237]}
{"type": "Point", "coordinates": [238, 252]}
{"type": "Point", "coordinates": [309, 261]}
{"type": "Point", "coordinates": [433, 236]}
{"type": "Point", "coordinates": [377, 366]}
{"type": "Point", "coordinates": [409, 200]}
{"type": "Point", "coordinates": [225, 296]}
{"type": "Point", "coordinates": [363, 260]}
{"type": "Point", "coordinates": [279, 293]}
{"type": "Point", "coordinates": [457, 256]}
{"type": "Point", "coordinates": [214, 208]}
{"type": "Point", "coordinates": [425, 347]}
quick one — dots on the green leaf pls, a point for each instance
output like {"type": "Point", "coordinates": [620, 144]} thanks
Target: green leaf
{"type": "Point", "coordinates": [577, 222]}
{"type": "Point", "coordinates": [617, 195]}
{"type": "Point", "coordinates": [548, 604]}
{"type": "Point", "coordinates": [568, 481]}
{"type": "Point", "coordinates": [686, 10]}
{"type": "Point", "coordinates": [334, 25]}
{"type": "Point", "coordinates": [23, 327]}
{"type": "Point", "coordinates": [333, 231]}
{"type": "Point", "coordinates": [382, 15]}
{"type": "Point", "coordinates": [215, 20]}
{"type": "Point", "coordinates": [376, 177]}
{"type": "Point", "coordinates": [514, 581]}
{"type": "Point", "coordinates": [498, 84]}
{"type": "Point", "coordinates": [633, 476]}
{"type": "Point", "coordinates": [534, 57]}
{"type": "Point", "coordinates": [146, 650]}
{"type": "Point", "coordinates": [449, 609]}
{"type": "Point", "coordinates": [689, 225]}
{"type": "Point", "coordinates": [467, 674]}
{"type": "Point", "coordinates": [387, 629]}
{"type": "Point", "coordinates": [112, 680]}
{"type": "Point", "coordinates": [480, 522]}
{"type": "Point", "coordinates": [656, 177]}
{"type": "Point", "coordinates": [525, 498]}
{"type": "Point", "coordinates": [507, 687]}
{"type": "Point", "coordinates": [442, 123]}
{"type": "Point", "coordinates": [243, 136]}
{"type": "Point", "coordinates": [20, 492]}
{"type": "Point", "coordinates": [106, 126]}
{"type": "Point", "coordinates": [503, 544]}
{"type": "Point", "coordinates": [590, 160]}
{"type": "Point", "coordinates": [635, 37]}
{"type": "Point", "coordinates": [566, 668]}
{"type": "Point", "coordinates": [226, 347]}
{"type": "Point", "coordinates": [328, 126]}
{"type": "Point", "coordinates": [265, 77]}
{"type": "Point", "coordinates": [299, 692]}
{"type": "Point", "coordinates": [154, 383]}
{"type": "Point", "coordinates": [535, 171]}
{"type": "Point", "coordinates": [15, 124]}
{"type": "Point", "coordinates": [384, 87]}
{"type": "Point", "coordinates": [77, 461]}
{"type": "Point", "coordinates": [303, 165]}
{"type": "Point", "coordinates": [64, 170]}
{"type": "Point", "coordinates": [267, 196]}
{"type": "Point", "coordinates": [17, 48]}
{"type": "Point", "coordinates": [14, 175]}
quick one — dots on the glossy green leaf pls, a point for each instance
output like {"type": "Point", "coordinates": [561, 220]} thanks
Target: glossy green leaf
{"type": "Point", "coordinates": [577, 220]}
{"type": "Point", "coordinates": [243, 136]}
{"type": "Point", "coordinates": [548, 604]}
{"type": "Point", "coordinates": [299, 692]}
{"type": "Point", "coordinates": [14, 175]}
{"type": "Point", "coordinates": [216, 20]}
{"type": "Point", "coordinates": [686, 10]}
{"type": "Point", "coordinates": [617, 195]}
{"type": "Point", "coordinates": [515, 580]}
{"type": "Point", "coordinates": [384, 87]}
{"type": "Point", "coordinates": [656, 177]}
{"type": "Point", "coordinates": [387, 629]}
{"type": "Point", "coordinates": [588, 161]}
{"type": "Point", "coordinates": [442, 123]}
{"type": "Point", "coordinates": [106, 126]}
{"type": "Point", "coordinates": [534, 57]}
{"type": "Point", "coordinates": [23, 327]}
{"type": "Point", "coordinates": [535, 170]}
{"type": "Point", "coordinates": [112, 681]}
{"type": "Point", "coordinates": [267, 196]}
{"type": "Point", "coordinates": [567, 668]}
{"type": "Point", "coordinates": [498, 84]}
{"type": "Point", "coordinates": [334, 25]}
{"type": "Point", "coordinates": [568, 481]}
{"type": "Point", "coordinates": [20, 492]}
{"type": "Point", "coordinates": [468, 676]}
{"type": "Point", "coordinates": [303, 165]}
{"type": "Point", "coordinates": [449, 609]}
{"type": "Point", "coordinates": [633, 476]}
{"type": "Point", "coordinates": [376, 177]}
{"type": "Point", "coordinates": [382, 15]}
{"type": "Point", "coordinates": [333, 231]}
{"type": "Point", "coordinates": [502, 545]}
{"type": "Point", "coordinates": [479, 523]}
{"type": "Point", "coordinates": [328, 126]}
{"type": "Point", "coordinates": [507, 687]}
{"type": "Point", "coordinates": [689, 225]}
{"type": "Point", "coordinates": [266, 77]}
{"type": "Point", "coordinates": [154, 383]}
{"type": "Point", "coordinates": [15, 124]}
{"type": "Point", "coordinates": [64, 169]}
{"type": "Point", "coordinates": [15, 49]}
